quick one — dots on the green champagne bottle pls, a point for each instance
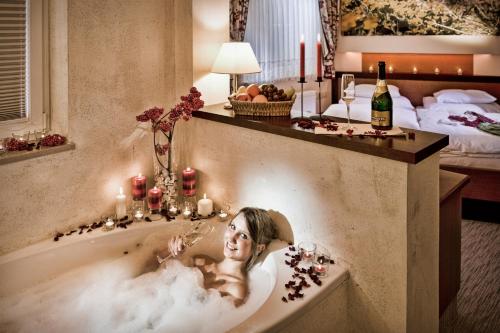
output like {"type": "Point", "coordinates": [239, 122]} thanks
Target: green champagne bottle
{"type": "Point", "coordinates": [381, 102]}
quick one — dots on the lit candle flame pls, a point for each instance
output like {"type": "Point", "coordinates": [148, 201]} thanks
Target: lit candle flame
{"type": "Point", "coordinates": [204, 195]}
{"type": "Point", "coordinates": [121, 190]}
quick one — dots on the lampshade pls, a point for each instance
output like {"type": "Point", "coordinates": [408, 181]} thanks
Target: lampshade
{"type": "Point", "coordinates": [236, 58]}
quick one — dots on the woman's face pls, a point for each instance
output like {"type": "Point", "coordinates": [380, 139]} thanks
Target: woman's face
{"type": "Point", "coordinates": [237, 240]}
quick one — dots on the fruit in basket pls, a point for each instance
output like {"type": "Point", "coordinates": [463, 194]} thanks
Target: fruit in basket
{"type": "Point", "coordinates": [260, 99]}
{"type": "Point", "coordinates": [243, 97]}
{"type": "Point", "coordinates": [289, 93]}
{"type": "Point", "coordinates": [253, 90]}
{"type": "Point", "coordinates": [241, 89]}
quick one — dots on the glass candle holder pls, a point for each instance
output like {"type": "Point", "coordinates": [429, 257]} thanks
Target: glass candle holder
{"type": "Point", "coordinates": [223, 215]}
{"type": "Point", "coordinates": [187, 211]}
{"type": "Point", "coordinates": [138, 210]}
{"type": "Point", "coordinates": [154, 203]}
{"type": "Point", "coordinates": [307, 250]}
{"type": "Point", "coordinates": [109, 224]}
{"type": "Point", "coordinates": [321, 262]}
{"type": "Point", "coordinates": [173, 208]}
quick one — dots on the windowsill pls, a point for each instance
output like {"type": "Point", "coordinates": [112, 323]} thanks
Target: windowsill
{"type": "Point", "coordinates": [16, 156]}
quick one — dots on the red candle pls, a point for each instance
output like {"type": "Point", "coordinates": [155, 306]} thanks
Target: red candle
{"type": "Point", "coordinates": [302, 58]}
{"type": "Point", "coordinates": [154, 198]}
{"type": "Point", "coordinates": [139, 187]}
{"type": "Point", "coordinates": [189, 182]}
{"type": "Point", "coordinates": [319, 68]}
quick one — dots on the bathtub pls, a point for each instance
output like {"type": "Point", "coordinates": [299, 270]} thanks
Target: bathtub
{"type": "Point", "coordinates": [265, 311]}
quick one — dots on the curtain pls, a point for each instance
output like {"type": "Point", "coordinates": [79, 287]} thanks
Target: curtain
{"type": "Point", "coordinates": [329, 21]}
{"type": "Point", "coordinates": [238, 12]}
{"type": "Point", "coordinates": [274, 28]}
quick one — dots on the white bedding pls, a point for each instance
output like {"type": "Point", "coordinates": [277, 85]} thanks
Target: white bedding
{"type": "Point", "coordinates": [403, 112]}
{"type": "Point", "coordinates": [434, 118]}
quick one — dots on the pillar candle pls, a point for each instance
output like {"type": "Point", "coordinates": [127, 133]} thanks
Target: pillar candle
{"type": "Point", "coordinates": [121, 208]}
{"type": "Point", "coordinates": [189, 182]}
{"type": "Point", "coordinates": [139, 187]}
{"type": "Point", "coordinates": [302, 58]}
{"type": "Point", "coordinates": [154, 198]}
{"type": "Point", "coordinates": [319, 67]}
{"type": "Point", "coordinates": [205, 206]}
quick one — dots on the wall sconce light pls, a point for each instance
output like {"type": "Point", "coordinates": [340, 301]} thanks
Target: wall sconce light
{"type": "Point", "coordinates": [459, 71]}
{"type": "Point", "coordinates": [436, 71]}
{"type": "Point", "coordinates": [391, 69]}
{"type": "Point", "coordinates": [415, 70]}
{"type": "Point", "coordinates": [370, 69]}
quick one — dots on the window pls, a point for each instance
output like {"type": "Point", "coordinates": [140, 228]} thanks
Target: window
{"type": "Point", "coordinates": [273, 29]}
{"type": "Point", "coordinates": [23, 66]}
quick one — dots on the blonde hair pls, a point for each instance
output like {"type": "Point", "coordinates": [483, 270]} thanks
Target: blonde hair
{"type": "Point", "coordinates": [261, 227]}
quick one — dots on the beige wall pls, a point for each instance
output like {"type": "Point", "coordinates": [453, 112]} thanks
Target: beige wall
{"type": "Point", "coordinates": [122, 57]}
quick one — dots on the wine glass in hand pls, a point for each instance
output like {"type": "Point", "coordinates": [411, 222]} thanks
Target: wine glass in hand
{"type": "Point", "coordinates": [348, 93]}
{"type": "Point", "coordinates": [178, 244]}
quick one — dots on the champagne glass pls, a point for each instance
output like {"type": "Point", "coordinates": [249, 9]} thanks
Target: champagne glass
{"type": "Point", "coordinates": [191, 237]}
{"type": "Point", "coordinates": [348, 92]}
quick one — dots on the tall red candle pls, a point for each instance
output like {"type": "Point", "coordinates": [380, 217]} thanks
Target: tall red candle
{"type": "Point", "coordinates": [302, 58]}
{"type": "Point", "coordinates": [139, 187]}
{"type": "Point", "coordinates": [154, 198]}
{"type": "Point", "coordinates": [319, 67]}
{"type": "Point", "coordinates": [189, 182]}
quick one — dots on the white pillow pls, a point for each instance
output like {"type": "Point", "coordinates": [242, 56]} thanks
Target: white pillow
{"type": "Point", "coordinates": [367, 90]}
{"type": "Point", "coordinates": [397, 102]}
{"type": "Point", "coordinates": [463, 96]}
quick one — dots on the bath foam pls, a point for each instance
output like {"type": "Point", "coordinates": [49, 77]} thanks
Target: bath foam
{"type": "Point", "coordinates": [125, 295]}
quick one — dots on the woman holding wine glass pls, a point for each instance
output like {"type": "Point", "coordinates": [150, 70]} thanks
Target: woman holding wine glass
{"type": "Point", "coordinates": [246, 237]}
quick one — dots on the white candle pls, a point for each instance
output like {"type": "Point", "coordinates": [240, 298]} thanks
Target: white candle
{"type": "Point", "coordinates": [205, 206]}
{"type": "Point", "coordinates": [436, 70]}
{"type": "Point", "coordinates": [391, 69]}
{"type": "Point", "coordinates": [223, 215]}
{"type": "Point", "coordinates": [459, 71]}
{"type": "Point", "coordinates": [415, 70]}
{"type": "Point", "coordinates": [121, 208]}
{"type": "Point", "coordinates": [186, 213]}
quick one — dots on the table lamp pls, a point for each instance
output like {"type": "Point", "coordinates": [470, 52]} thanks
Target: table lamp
{"type": "Point", "coordinates": [235, 58]}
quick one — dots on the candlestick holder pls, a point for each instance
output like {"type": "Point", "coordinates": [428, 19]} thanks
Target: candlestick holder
{"type": "Point", "coordinates": [319, 79]}
{"type": "Point", "coordinates": [302, 80]}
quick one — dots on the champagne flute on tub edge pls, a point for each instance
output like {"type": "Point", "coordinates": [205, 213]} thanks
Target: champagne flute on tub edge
{"type": "Point", "coordinates": [348, 92]}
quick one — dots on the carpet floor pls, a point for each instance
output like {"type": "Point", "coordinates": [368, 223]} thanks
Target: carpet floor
{"type": "Point", "coordinates": [478, 301]}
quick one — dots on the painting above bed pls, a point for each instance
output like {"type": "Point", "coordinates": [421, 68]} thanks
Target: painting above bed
{"type": "Point", "coordinates": [420, 17]}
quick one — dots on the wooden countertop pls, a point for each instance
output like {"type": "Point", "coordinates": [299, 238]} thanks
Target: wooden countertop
{"type": "Point", "coordinates": [395, 148]}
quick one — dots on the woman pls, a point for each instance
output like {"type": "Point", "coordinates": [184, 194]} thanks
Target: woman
{"type": "Point", "coordinates": [245, 238]}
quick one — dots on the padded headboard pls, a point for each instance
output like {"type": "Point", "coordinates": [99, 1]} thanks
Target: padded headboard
{"type": "Point", "coordinates": [417, 86]}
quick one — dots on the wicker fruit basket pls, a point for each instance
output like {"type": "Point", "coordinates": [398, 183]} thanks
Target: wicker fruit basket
{"type": "Point", "coordinates": [272, 109]}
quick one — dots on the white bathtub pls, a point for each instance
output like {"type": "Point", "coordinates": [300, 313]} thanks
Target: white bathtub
{"type": "Point", "coordinates": [264, 311]}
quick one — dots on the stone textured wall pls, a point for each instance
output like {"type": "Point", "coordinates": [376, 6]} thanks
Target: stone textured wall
{"type": "Point", "coordinates": [121, 58]}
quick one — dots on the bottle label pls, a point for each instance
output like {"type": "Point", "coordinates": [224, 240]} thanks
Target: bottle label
{"type": "Point", "coordinates": [381, 88]}
{"type": "Point", "coordinates": [381, 118]}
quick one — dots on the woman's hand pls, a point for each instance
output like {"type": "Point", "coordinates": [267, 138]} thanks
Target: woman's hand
{"type": "Point", "coordinates": [176, 246]}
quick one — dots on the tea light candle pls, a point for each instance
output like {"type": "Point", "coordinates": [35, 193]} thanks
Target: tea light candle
{"type": "Point", "coordinates": [459, 71]}
{"type": "Point", "coordinates": [320, 269]}
{"type": "Point", "coordinates": [154, 198]}
{"type": "Point", "coordinates": [415, 71]}
{"type": "Point", "coordinates": [139, 187]}
{"type": "Point", "coordinates": [223, 216]}
{"type": "Point", "coordinates": [436, 70]}
{"type": "Point", "coordinates": [186, 213]}
{"type": "Point", "coordinates": [138, 214]}
{"type": "Point", "coordinates": [121, 208]}
{"type": "Point", "coordinates": [391, 69]}
{"type": "Point", "coordinates": [109, 224]}
{"type": "Point", "coordinates": [370, 69]}
{"type": "Point", "coordinates": [189, 182]}
{"type": "Point", "coordinates": [172, 209]}
{"type": "Point", "coordinates": [205, 206]}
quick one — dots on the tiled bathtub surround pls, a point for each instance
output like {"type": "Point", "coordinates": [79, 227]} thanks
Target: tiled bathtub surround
{"type": "Point", "coordinates": [379, 217]}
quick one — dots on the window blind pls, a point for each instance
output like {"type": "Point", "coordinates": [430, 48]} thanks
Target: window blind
{"type": "Point", "coordinates": [13, 30]}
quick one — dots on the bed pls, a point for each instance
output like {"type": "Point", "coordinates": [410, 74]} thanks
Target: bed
{"type": "Point", "coordinates": [470, 151]}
